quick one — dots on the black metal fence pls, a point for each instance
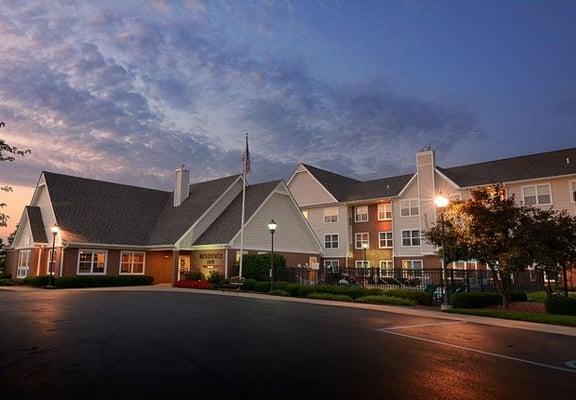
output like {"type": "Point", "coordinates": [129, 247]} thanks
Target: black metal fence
{"type": "Point", "coordinates": [425, 279]}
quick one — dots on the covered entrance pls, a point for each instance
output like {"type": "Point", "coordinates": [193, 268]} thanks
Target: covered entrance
{"type": "Point", "coordinates": [183, 266]}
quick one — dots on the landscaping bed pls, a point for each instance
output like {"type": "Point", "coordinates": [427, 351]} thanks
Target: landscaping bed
{"type": "Point", "coordinates": [89, 281]}
{"type": "Point", "coordinates": [553, 319]}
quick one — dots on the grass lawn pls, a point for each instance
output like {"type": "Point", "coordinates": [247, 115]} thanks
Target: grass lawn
{"type": "Point", "coordinates": [553, 319]}
{"type": "Point", "coordinates": [540, 297]}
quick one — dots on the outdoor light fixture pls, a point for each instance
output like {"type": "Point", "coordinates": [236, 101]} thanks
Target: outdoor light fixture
{"type": "Point", "coordinates": [55, 230]}
{"type": "Point", "coordinates": [364, 263]}
{"type": "Point", "coordinates": [272, 228]}
{"type": "Point", "coordinates": [441, 201]}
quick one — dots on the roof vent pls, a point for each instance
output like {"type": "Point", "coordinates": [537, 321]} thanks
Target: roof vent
{"type": "Point", "coordinates": [567, 160]}
{"type": "Point", "coordinates": [387, 186]}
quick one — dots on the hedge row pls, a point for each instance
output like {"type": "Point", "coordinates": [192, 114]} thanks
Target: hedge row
{"type": "Point", "coordinates": [483, 299]}
{"type": "Point", "coordinates": [329, 296]}
{"type": "Point", "coordinates": [386, 300]}
{"type": "Point", "coordinates": [5, 275]}
{"type": "Point", "coordinates": [89, 281]}
{"type": "Point", "coordinates": [297, 290]}
{"type": "Point", "coordinates": [560, 305]}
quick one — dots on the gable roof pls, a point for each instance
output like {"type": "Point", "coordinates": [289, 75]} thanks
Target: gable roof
{"type": "Point", "coordinates": [36, 224]}
{"type": "Point", "coordinates": [338, 185]}
{"type": "Point", "coordinates": [228, 223]}
{"type": "Point", "coordinates": [532, 166]}
{"type": "Point", "coordinates": [92, 211]}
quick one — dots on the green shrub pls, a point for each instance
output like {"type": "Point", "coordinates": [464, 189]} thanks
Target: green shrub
{"type": "Point", "coordinates": [518, 295]}
{"type": "Point", "coordinates": [475, 299]}
{"type": "Point", "coordinates": [36, 281]}
{"type": "Point", "coordinates": [193, 276]}
{"type": "Point", "coordinates": [293, 289]}
{"type": "Point", "coordinates": [279, 292]}
{"type": "Point", "coordinates": [5, 275]}
{"type": "Point", "coordinates": [215, 278]}
{"type": "Point", "coordinates": [561, 305]}
{"type": "Point", "coordinates": [257, 266]}
{"type": "Point", "coordinates": [262, 287]}
{"type": "Point", "coordinates": [249, 284]}
{"type": "Point", "coordinates": [329, 296]}
{"type": "Point", "coordinates": [7, 282]}
{"type": "Point", "coordinates": [422, 298]}
{"type": "Point", "coordinates": [398, 301]}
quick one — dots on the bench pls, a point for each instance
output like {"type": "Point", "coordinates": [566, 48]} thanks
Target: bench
{"type": "Point", "coordinates": [236, 283]}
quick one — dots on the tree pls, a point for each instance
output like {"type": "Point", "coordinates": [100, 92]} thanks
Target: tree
{"type": "Point", "coordinates": [489, 227]}
{"type": "Point", "coordinates": [2, 257]}
{"type": "Point", "coordinates": [8, 153]}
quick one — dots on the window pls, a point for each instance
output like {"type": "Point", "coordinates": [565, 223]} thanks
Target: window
{"type": "Point", "coordinates": [386, 240]}
{"type": "Point", "coordinates": [49, 262]}
{"type": "Point", "coordinates": [361, 239]}
{"type": "Point", "coordinates": [132, 262]}
{"type": "Point", "coordinates": [305, 213]}
{"type": "Point", "coordinates": [573, 191]}
{"type": "Point", "coordinates": [361, 214]}
{"type": "Point", "coordinates": [386, 268]}
{"type": "Point", "coordinates": [411, 238]}
{"type": "Point", "coordinates": [92, 261]}
{"type": "Point", "coordinates": [332, 265]}
{"type": "Point", "coordinates": [537, 195]}
{"type": "Point", "coordinates": [384, 212]}
{"type": "Point", "coordinates": [365, 265]}
{"type": "Point", "coordinates": [23, 263]}
{"type": "Point", "coordinates": [331, 241]}
{"type": "Point", "coordinates": [409, 208]}
{"type": "Point", "coordinates": [330, 215]}
{"type": "Point", "coordinates": [412, 268]}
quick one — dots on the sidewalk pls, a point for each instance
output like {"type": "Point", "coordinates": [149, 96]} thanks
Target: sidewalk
{"type": "Point", "coordinates": [417, 312]}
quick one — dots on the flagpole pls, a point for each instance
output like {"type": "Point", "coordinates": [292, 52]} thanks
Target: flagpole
{"type": "Point", "coordinates": [245, 170]}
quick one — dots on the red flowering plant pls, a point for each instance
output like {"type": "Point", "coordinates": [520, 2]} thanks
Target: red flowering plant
{"type": "Point", "coordinates": [194, 284]}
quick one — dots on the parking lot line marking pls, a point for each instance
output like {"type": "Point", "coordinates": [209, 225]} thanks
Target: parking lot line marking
{"type": "Point", "coordinates": [487, 353]}
{"type": "Point", "coordinates": [421, 325]}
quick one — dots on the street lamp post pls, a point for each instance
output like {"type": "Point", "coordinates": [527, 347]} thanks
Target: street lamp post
{"type": "Point", "coordinates": [55, 229]}
{"type": "Point", "coordinates": [272, 228]}
{"type": "Point", "coordinates": [365, 247]}
{"type": "Point", "coordinates": [442, 202]}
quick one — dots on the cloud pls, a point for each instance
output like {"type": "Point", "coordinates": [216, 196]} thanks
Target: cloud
{"type": "Point", "coordinates": [113, 91]}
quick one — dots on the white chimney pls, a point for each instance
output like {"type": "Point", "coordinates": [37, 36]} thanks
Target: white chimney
{"type": "Point", "coordinates": [182, 186]}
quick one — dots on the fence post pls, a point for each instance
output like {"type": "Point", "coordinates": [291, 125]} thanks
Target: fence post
{"type": "Point", "coordinates": [467, 280]}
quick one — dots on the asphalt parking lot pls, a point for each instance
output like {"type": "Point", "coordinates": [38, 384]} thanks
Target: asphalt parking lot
{"type": "Point", "coordinates": [109, 344]}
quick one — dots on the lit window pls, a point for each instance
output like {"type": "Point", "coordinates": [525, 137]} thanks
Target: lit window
{"type": "Point", "coordinates": [386, 268]}
{"type": "Point", "coordinates": [384, 212]}
{"type": "Point", "coordinates": [332, 265]}
{"type": "Point", "coordinates": [92, 262]}
{"type": "Point", "coordinates": [132, 262]}
{"type": "Point", "coordinates": [49, 263]}
{"type": "Point", "coordinates": [411, 238]}
{"type": "Point", "coordinates": [361, 214]}
{"type": "Point", "coordinates": [409, 208]}
{"type": "Point", "coordinates": [331, 214]}
{"type": "Point", "coordinates": [331, 241]}
{"type": "Point", "coordinates": [23, 263]}
{"type": "Point", "coordinates": [361, 239]}
{"type": "Point", "coordinates": [386, 240]}
{"type": "Point", "coordinates": [537, 195]}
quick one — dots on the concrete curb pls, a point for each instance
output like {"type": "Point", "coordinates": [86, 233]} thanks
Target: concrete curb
{"type": "Point", "coordinates": [417, 312]}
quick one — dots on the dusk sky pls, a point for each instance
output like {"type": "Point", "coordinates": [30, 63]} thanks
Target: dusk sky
{"type": "Point", "coordinates": [127, 91]}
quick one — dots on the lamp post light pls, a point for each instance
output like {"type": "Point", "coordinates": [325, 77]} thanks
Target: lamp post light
{"type": "Point", "coordinates": [272, 228]}
{"type": "Point", "coordinates": [365, 247]}
{"type": "Point", "coordinates": [55, 230]}
{"type": "Point", "coordinates": [442, 202]}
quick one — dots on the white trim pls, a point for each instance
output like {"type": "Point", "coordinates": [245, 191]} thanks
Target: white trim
{"type": "Point", "coordinates": [536, 186]}
{"type": "Point", "coordinates": [386, 247]}
{"type": "Point", "coordinates": [544, 178]}
{"type": "Point", "coordinates": [355, 241]}
{"type": "Point", "coordinates": [332, 234]}
{"type": "Point", "coordinates": [407, 185]}
{"type": "Point", "coordinates": [121, 246]}
{"type": "Point", "coordinates": [331, 215]}
{"type": "Point", "coordinates": [92, 262]}
{"type": "Point", "coordinates": [417, 200]}
{"type": "Point", "coordinates": [572, 191]}
{"type": "Point", "coordinates": [367, 213]}
{"type": "Point", "coordinates": [132, 265]}
{"type": "Point", "coordinates": [411, 237]}
{"type": "Point", "coordinates": [389, 204]}
{"type": "Point", "coordinates": [177, 243]}
{"type": "Point", "coordinates": [450, 181]}
{"type": "Point", "coordinates": [313, 177]}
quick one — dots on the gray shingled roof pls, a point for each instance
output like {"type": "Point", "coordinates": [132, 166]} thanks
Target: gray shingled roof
{"type": "Point", "coordinates": [228, 223]}
{"type": "Point", "coordinates": [36, 224]}
{"type": "Point", "coordinates": [541, 165]}
{"type": "Point", "coordinates": [92, 211]}
{"type": "Point", "coordinates": [173, 222]}
{"type": "Point", "coordinates": [553, 163]}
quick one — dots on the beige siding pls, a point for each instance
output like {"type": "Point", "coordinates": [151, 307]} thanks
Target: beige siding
{"type": "Point", "coordinates": [425, 167]}
{"type": "Point", "coordinates": [307, 191]}
{"type": "Point", "coordinates": [292, 234]}
{"type": "Point", "coordinates": [23, 232]}
{"type": "Point", "coordinates": [341, 228]}
{"type": "Point", "coordinates": [560, 189]}
{"type": "Point", "coordinates": [41, 199]}
{"type": "Point", "coordinates": [207, 220]}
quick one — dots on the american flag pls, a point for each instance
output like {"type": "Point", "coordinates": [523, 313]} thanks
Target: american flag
{"type": "Point", "coordinates": [246, 158]}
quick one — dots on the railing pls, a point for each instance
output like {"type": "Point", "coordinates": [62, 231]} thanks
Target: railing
{"type": "Point", "coordinates": [425, 279]}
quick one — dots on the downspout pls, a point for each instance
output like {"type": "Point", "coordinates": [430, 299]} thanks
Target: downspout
{"type": "Point", "coordinates": [38, 263]}
{"type": "Point", "coordinates": [225, 262]}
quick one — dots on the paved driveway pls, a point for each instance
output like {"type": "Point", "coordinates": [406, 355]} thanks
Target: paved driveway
{"type": "Point", "coordinates": [107, 344]}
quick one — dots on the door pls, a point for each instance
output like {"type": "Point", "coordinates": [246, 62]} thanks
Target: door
{"type": "Point", "coordinates": [183, 266]}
